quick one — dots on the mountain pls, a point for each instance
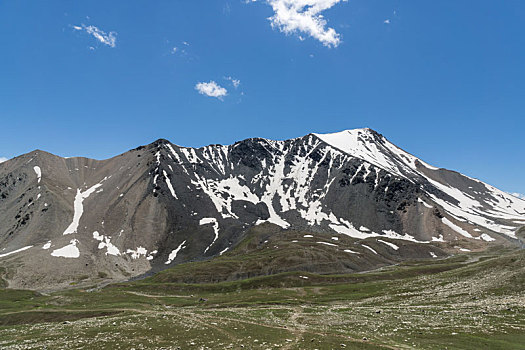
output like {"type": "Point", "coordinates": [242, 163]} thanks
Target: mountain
{"type": "Point", "coordinates": [352, 197]}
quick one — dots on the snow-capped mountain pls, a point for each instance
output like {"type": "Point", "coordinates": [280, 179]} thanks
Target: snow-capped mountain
{"type": "Point", "coordinates": [161, 204]}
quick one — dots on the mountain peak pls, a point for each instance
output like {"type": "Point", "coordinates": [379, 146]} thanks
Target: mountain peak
{"type": "Point", "coordinates": [351, 131]}
{"type": "Point", "coordinates": [161, 142]}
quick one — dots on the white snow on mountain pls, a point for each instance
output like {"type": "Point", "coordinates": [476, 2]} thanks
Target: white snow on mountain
{"type": "Point", "coordinates": [482, 211]}
{"type": "Point", "coordinates": [518, 195]}
{"type": "Point", "coordinates": [38, 173]}
{"type": "Point", "coordinates": [105, 242]}
{"type": "Point", "coordinates": [205, 221]}
{"type": "Point", "coordinates": [369, 248]}
{"type": "Point", "coordinates": [391, 245]}
{"type": "Point", "coordinates": [137, 253]}
{"type": "Point", "coordinates": [287, 181]}
{"type": "Point", "coordinates": [362, 143]}
{"type": "Point", "coordinates": [15, 251]}
{"type": "Point", "coordinates": [79, 208]}
{"type": "Point", "coordinates": [175, 252]}
{"type": "Point", "coordinates": [69, 251]}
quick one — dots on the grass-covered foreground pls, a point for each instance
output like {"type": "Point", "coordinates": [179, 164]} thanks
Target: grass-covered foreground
{"type": "Point", "coordinates": [464, 302]}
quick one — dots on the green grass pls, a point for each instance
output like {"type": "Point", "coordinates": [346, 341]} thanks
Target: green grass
{"type": "Point", "coordinates": [268, 251]}
{"type": "Point", "coordinates": [32, 317]}
{"type": "Point", "coordinates": [464, 302]}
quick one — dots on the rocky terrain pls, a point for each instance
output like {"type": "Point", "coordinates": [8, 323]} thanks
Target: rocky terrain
{"type": "Point", "coordinates": [338, 203]}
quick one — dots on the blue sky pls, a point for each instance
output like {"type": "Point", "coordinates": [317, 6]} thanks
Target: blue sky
{"type": "Point", "coordinates": [445, 80]}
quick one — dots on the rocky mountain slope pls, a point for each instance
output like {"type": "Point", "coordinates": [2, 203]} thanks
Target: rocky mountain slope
{"type": "Point", "coordinates": [79, 220]}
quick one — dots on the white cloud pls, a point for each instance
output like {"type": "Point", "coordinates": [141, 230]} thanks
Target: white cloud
{"type": "Point", "coordinates": [211, 89]}
{"type": "Point", "coordinates": [519, 195]}
{"type": "Point", "coordinates": [109, 39]}
{"type": "Point", "coordinates": [235, 82]}
{"type": "Point", "coordinates": [387, 21]}
{"type": "Point", "coordinates": [3, 159]}
{"type": "Point", "coordinates": [226, 9]}
{"type": "Point", "coordinates": [180, 50]}
{"type": "Point", "coordinates": [304, 16]}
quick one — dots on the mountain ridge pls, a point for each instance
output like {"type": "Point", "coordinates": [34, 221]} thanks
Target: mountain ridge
{"type": "Point", "coordinates": [162, 204]}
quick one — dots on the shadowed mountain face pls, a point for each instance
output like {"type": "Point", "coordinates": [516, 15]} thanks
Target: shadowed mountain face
{"type": "Point", "coordinates": [74, 220]}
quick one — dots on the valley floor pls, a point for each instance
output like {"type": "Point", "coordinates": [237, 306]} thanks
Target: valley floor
{"type": "Point", "coordinates": [464, 302]}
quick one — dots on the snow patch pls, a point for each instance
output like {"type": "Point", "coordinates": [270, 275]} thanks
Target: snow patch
{"type": "Point", "coordinates": [486, 237]}
{"type": "Point", "coordinates": [424, 203]}
{"type": "Point", "coordinates": [174, 253]}
{"type": "Point", "coordinates": [38, 172]}
{"type": "Point", "coordinates": [391, 245]}
{"type": "Point", "coordinates": [16, 251]}
{"type": "Point", "coordinates": [346, 228]}
{"type": "Point", "coordinates": [168, 182]}
{"type": "Point", "coordinates": [205, 221]}
{"type": "Point", "coordinates": [150, 256]}
{"type": "Point", "coordinates": [369, 248]}
{"type": "Point", "coordinates": [456, 228]}
{"type": "Point", "coordinates": [137, 253]}
{"type": "Point", "coordinates": [406, 237]}
{"type": "Point", "coordinates": [326, 243]}
{"type": "Point", "coordinates": [438, 239]}
{"type": "Point", "coordinates": [69, 251]}
{"type": "Point", "coordinates": [79, 208]}
{"type": "Point", "coordinates": [504, 206]}
{"type": "Point", "coordinates": [105, 242]}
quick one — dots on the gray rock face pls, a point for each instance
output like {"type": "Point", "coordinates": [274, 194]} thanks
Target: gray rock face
{"type": "Point", "coordinates": [73, 220]}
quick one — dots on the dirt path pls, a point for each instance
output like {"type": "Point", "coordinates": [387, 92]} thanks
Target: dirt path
{"type": "Point", "coordinates": [297, 330]}
{"type": "Point", "coordinates": [158, 296]}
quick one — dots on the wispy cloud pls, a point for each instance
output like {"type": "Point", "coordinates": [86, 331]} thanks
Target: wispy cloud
{"type": "Point", "coordinates": [109, 39]}
{"type": "Point", "coordinates": [180, 50]}
{"type": "Point", "coordinates": [226, 9]}
{"type": "Point", "coordinates": [519, 195]}
{"type": "Point", "coordinates": [304, 16]}
{"type": "Point", "coordinates": [211, 89]}
{"type": "Point", "coordinates": [235, 82]}
{"type": "Point", "coordinates": [3, 159]}
{"type": "Point", "coordinates": [387, 21]}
